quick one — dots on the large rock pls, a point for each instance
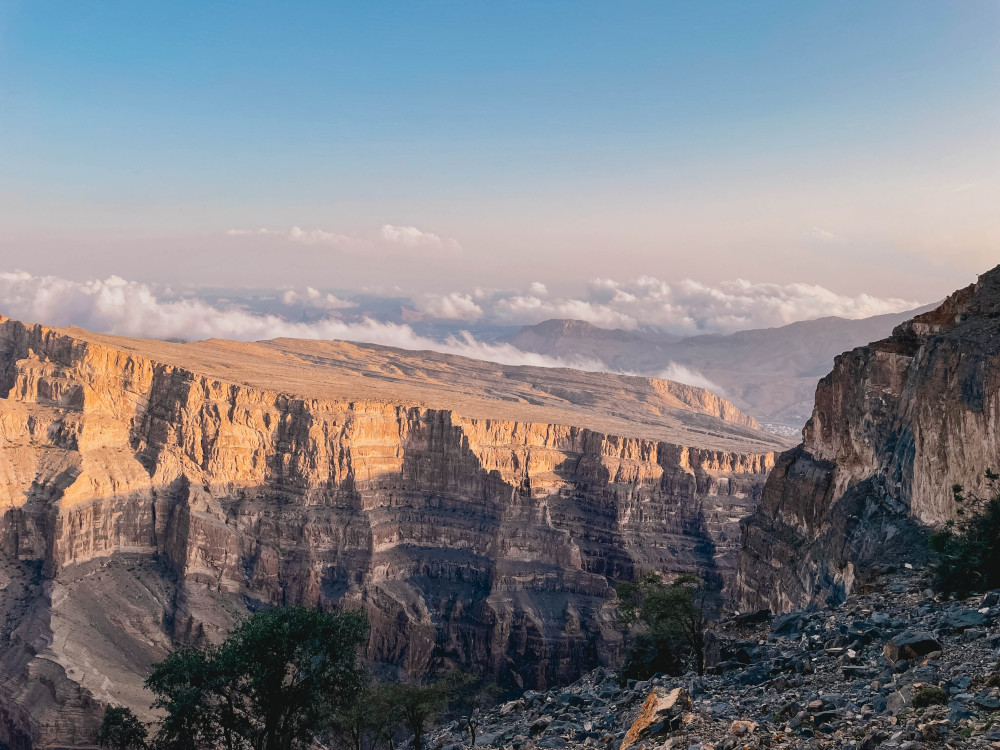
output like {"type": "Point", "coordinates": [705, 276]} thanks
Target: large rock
{"type": "Point", "coordinates": [910, 645]}
{"type": "Point", "coordinates": [661, 712]}
{"type": "Point", "coordinates": [152, 491]}
{"type": "Point", "coordinates": [895, 425]}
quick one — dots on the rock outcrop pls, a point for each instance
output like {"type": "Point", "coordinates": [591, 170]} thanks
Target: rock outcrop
{"type": "Point", "coordinates": [151, 493]}
{"type": "Point", "coordinates": [895, 425]}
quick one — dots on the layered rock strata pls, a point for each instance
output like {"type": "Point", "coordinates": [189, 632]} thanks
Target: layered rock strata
{"type": "Point", "coordinates": [896, 424]}
{"type": "Point", "coordinates": [152, 493]}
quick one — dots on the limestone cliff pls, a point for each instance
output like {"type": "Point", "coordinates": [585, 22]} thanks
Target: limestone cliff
{"type": "Point", "coordinates": [895, 425]}
{"type": "Point", "coordinates": [151, 493]}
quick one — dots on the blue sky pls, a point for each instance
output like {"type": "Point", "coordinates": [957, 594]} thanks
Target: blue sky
{"type": "Point", "coordinates": [849, 144]}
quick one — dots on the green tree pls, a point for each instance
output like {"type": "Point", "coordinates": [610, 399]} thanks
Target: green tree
{"type": "Point", "coordinates": [190, 690]}
{"type": "Point", "coordinates": [666, 622]}
{"type": "Point", "coordinates": [470, 695]}
{"type": "Point", "coordinates": [121, 730]}
{"type": "Point", "coordinates": [371, 716]}
{"type": "Point", "coordinates": [418, 707]}
{"type": "Point", "coordinates": [276, 681]}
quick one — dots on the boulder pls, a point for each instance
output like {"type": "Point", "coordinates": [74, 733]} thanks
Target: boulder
{"type": "Point", "coordinates": [911, 644]}
{"type": "Point", "coordinates": [660, 707]}
{"type": "Point", "coordinates": [789, 623]}
{"type": "Point", "coordinates": [964, 618]}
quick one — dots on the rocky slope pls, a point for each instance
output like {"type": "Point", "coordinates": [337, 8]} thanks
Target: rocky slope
{"type": "Point", "coordinates": [153, 492]}
{"type": "Point", "coordinates": [851, 678]}
{"type": "Point", "coordinates": [895, 425]}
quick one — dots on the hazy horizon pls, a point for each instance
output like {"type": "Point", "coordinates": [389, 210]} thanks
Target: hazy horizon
{"type": "Point", "coordinates": [429, 150]}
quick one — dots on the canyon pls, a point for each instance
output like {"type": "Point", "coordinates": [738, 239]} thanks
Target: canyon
{"type": "Point", "coordinates": [154, 492]}
{"type": "Point", "coordinates": [895, 425]}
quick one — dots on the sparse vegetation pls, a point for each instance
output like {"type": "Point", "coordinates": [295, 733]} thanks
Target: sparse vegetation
{"type": "Point", "coordinates": [929, 695]}
{"type": "Point", "coordinates": [470, 695]}
{"type": "Point", "coordinates": [418, 706]}
{"type": "Point", "coordinates": [969, 547]}
{"type": "Point", "coordinates": [666, 624]}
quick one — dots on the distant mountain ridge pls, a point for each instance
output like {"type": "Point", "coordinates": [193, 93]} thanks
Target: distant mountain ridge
{"type": "Point", "coordinates": [770, 373]}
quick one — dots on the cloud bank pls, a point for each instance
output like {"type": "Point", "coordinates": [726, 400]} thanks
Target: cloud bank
{"type": "Point", "coordinates": [118, 306]}
{"type": "Point", "coordinates": [688, 307]}
{"type": "Point", "coordinates": [128, 308]}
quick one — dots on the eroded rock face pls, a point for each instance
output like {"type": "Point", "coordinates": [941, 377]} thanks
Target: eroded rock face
{"type": "Point", "coordinates": [145, 505]}
{"type": "Point", "coordinates": [896, 424]}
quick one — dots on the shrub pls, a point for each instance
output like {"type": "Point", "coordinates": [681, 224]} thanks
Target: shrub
{"type": "Point", "coordinates": [969, 548]}
{"type": "Point", "coordinates": [929, 695]}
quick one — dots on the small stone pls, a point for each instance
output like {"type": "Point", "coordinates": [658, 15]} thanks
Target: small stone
{"type": "Point", "coordinates": [740, 728]}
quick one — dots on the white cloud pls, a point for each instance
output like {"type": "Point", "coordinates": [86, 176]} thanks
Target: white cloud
{"type": "Point", "coordinates": [130, 308]}
{"type": "Point", "coordinates": [688, 376]}
{"type": "Point", "coordinates": [320, 237]}
{"type": "Point", "coordinates": [314, 298]}
{"type": "Point", "coordinates": [690, 307]}
{"type": "Point", "coordinates": [817, 234]}
{"type": "Point", "coordinates": [527, 308]}
{"type": "Point", "coordinates": [538, 289]}
{"type": "Point", "coordinates": [115, 305]}
{"type": "Point", "coordinates": [454, 306]}
{"type": "Point", "coordinates": [413, 237]}
{"type": "Point", "coordinates": [388, 238]}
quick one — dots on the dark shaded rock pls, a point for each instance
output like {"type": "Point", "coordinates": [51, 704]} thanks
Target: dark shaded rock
{"type": "Point", "coordinates": [965, 618]}
{"type": "Point", "coordinates": [789, 623]}
{"type": "Point", "coordinates": [911, 644]}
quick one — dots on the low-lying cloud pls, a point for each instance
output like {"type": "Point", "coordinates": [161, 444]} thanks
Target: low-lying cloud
{"type": "Point", "coordinates": [688, 376]}
{"type": "Point", "coordinates": [687, 307]}
{"type": "Point", "coordinates": [128, 308]}
{"type": "Point", "coordinates": [454, 306]}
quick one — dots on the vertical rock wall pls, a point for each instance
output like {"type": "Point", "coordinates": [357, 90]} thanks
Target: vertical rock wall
{"type": "Point", "coordinates": [896, 424]}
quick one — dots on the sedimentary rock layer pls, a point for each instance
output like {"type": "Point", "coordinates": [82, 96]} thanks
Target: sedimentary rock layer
{"type": "Point", "coordinates": [896, 424]}
{"type": "Point", "coordinates": [151, 493]}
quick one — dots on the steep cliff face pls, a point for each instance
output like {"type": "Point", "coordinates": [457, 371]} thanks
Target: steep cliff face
{"type": "Point", "coordinates": [147, 502]}
{"type": "Point", "coordinates": [896, 424]}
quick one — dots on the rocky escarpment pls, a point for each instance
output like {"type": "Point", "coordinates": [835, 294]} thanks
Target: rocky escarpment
{"type": "Point", "coordinates": [152, 493]}
{"type": "Point", "coordinates": [896, 424]}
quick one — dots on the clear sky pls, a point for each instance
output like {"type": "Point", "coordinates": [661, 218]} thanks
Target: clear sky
{"type": "Point", "coordinates": [443, 146]}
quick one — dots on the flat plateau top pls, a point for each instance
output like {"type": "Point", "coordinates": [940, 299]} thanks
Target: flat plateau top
{"type": "Point", "coordinates": [615, 404]}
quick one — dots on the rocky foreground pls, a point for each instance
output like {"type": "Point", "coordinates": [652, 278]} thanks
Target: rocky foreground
{"type": "Point", "coordinates": [850, 677]}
